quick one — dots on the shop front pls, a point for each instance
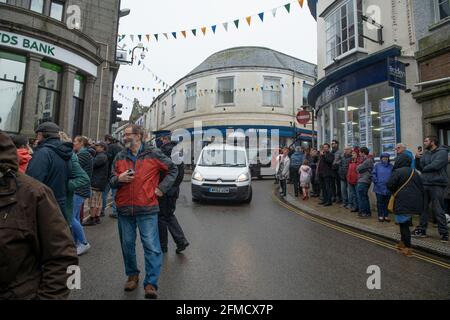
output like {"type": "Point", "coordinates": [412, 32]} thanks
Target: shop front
{"type": "Point", "coordinates": [359, 106]}
{"type": "Point", "coordinates": [42, 82]}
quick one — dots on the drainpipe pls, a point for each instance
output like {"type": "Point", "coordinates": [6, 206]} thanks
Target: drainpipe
{"type": "Point", "coordinates": [101, 86]}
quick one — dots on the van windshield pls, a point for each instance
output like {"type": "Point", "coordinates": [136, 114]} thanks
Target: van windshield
{"type": "Point", "coordinates": [223, 158]}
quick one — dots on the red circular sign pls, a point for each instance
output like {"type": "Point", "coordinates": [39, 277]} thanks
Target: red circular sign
{"type": "Point", "coordinates": [303, 117]}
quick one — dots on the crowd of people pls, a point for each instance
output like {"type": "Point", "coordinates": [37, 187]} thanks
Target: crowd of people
{"type": "Point", "coordinates": [411, 184]}
{"type": "Point", "coordinates": [44, 188]}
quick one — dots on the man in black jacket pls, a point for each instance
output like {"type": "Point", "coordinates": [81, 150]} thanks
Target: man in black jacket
{"type": "Point", "coordinates": [100, 178]}
{"type": "Point", "coordinates": [112, 151]}
{"type": "Point", "coordinates": [433, 165]}
{"type": "Point", "coordinates": [326, 174]}
{"type": "Point", "coordinates": [167, 203]}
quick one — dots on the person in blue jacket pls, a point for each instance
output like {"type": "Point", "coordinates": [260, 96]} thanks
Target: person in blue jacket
{"type": "Point", "coordinates": [381, 174]}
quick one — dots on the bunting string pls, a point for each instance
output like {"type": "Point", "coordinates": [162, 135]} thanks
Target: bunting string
{"type": "Point", "coordinates": [204, 30]}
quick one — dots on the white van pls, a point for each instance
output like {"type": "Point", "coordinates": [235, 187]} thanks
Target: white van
{"type": "Point", "coordinates": [222, 173]}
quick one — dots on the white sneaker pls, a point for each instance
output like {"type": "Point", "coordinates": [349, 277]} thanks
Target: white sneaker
{"type": "Point", "coordinates": [83, 248]}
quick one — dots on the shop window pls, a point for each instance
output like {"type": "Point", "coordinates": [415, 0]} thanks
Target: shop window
{"type": "Point", "coordinates": [57, 10]}
{"type": "Point", "coordinates": [49, 93]}
{"type": "Point", "coordinates": [37, 6]}
{"type": "Point", "coordinates": [382, 110]}
{"type": "Point", "coordinates": [442, 9]}
{"type": "Point", "coordinates": [326, 125]}
{"type": "Point", "coordinates": [76, 113]}
{"type": "Point", "coordinates": [225, 94]}
{"type": "Point", "coordinates": [272, 92]}
{"type": "Point", "coordinates": [339, 122]}
{"type": "Point", "coordinates": [12, 78]}
{"type": "Point", "coordinates": [342, 31]}
{"type": "Point", "coordinates": [191, 97]}
{"type": "Point", "coordinates": [356, 123]}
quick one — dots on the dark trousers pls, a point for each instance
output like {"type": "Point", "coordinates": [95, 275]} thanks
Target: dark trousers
{"type": "Point", "coordinates": [295, 178]}
{"type": "Point", "coordinates": [336, 188]}
{"type": "Point", "coordinates": [434, 195]}
{"type": "Point", "coordinates": [382, 205]}
{"type": "Point", "coordinates": [327, 184]}
{"type": "Point", "coordinates": [405, 234]}
{"type": "Point", "coordinates": [283, 185]}
{"type": "Point", "coordinates": [168, 221]}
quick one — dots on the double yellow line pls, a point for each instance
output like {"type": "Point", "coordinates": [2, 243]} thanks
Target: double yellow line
{"type": "Point", "coordinates": [358, 235]}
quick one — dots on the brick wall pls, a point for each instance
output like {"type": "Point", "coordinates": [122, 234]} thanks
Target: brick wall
{"type": "Point", "coordinates": [435, 68]}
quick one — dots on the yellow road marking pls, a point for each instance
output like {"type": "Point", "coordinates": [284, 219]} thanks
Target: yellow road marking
{"type": "Point", "coordinates": [357, 235]}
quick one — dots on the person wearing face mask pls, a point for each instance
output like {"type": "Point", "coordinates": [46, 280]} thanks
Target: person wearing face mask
{"type": "Point", "coordinates": [136, 174]}
{"type": "Point", "coordinates": [380, 176]}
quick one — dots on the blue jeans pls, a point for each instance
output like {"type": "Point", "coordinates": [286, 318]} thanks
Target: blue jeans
{"type": "Point", "coordinates": [148, 230]}
{"type": "Point", "coordinates": [352, 198]}
{"type": "Point", "coordinates": [362, 191]}
{"type": "Point", "coordinates": [77, 228]}
{"type": "Point", "coordinates": [382, 205]}
{"type": "Point", "coordinates": [105, 199]}
{"type": "Point", "coordinates": [344, 193]}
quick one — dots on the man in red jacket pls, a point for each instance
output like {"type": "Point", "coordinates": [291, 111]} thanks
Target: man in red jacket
{"type": "Point", "coordinates": [136, 176]}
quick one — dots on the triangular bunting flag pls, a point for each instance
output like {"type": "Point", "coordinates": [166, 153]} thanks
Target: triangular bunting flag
{"type": "Point", "coordinates": [236, 23]}
{"type": "Point", "coordinates": [274, 12]}
{"type": "Point", "coordinates": [174, 34]}
{"type": "Point", "coordinates": [156, 36]}
{"type": "Point", "coordinates": [261, 16]}
{"type": "Point", "coordinates": [148, 37]}
{"type": "Point", "coordinates": [300, 2]}
{"type": "Point", "coordinates": [225, 26]}
{"type": "Point", "coordinates": [183, 33]}
{"type": "Point", "coordinates": [194, 32]}
{"type": "Point", "coordinates": [288, 7]}
{"type": "Point", "coordinates": [249, 20]}
{"type": "Point", "coordinates": [214, 29]}
{"type": "Point", "coordinates": [140, 37]}
{"type": "Point", "coordinates": [204, 30]}
{"type": "Point", "coordinates": [165, 35]}
{"type": "Point", "coordinates": [132, 37]}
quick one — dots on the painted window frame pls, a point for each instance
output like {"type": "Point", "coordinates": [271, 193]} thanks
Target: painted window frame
{"type": "Point", "coordinates": [280, 104]}
{"type": "Point", "coordinates": [189, 89]}
{"type": "Point", "coordinates": [233, 91]}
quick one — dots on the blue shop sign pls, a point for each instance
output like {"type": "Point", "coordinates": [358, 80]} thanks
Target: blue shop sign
{"type": "Point", "coordinates": [397, 74]}
{"type": "Point", "coordinates": [360, 79]}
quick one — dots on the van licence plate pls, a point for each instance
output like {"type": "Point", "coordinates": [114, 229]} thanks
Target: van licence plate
{"type": "Point", "coordinates": [219, 190]}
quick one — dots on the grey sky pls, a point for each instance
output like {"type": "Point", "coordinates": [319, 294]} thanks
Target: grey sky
{"type": "Point", "coordinates": [294, 34]}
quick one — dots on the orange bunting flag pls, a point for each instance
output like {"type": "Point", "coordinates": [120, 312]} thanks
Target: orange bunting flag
{"type": "Point", "coordinates": [204, 31]}
{"type": "Point", "coordinates": [148, 37]}
{"type": "Point", "coordinates": [183, 33]}
{"type": "Point", "coordinates": [249, 20]}
{"type": "Point", "coordinates": [300, 2]}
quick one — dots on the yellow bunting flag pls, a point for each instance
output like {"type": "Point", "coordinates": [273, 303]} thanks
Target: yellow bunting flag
{"type": "Point", "coordinates": [249, 20]}
{"type": "Point", "coordinates": [204, 30]}
{"type": "Point", "coordinates": [183, 33]}
{"type": "Point", "coordinates": [148, 37]}
{"type": "Point", "coordinates": [300, 2]}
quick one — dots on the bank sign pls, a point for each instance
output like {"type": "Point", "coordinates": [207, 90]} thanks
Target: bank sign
{"type": "Point", "coordinates": [20, 42]}
{"type": "Point", "coordinates": [396, 74]}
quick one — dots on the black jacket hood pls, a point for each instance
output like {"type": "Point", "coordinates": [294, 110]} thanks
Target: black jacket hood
{"type": "Point", "coordinates": [63, 149]}
{"type": "Point", "coordinates": [402, 161]}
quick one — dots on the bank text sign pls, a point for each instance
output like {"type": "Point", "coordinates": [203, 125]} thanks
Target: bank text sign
{"type": "Point", "coordinates": [23, 43]}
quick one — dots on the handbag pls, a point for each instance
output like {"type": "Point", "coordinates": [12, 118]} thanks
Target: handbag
{"type": "Point", "coordinates": [392, 200]}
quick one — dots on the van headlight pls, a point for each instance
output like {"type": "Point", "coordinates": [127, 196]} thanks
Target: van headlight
{"type": "Point", "coordinates": [243, 177]}
{"type": "Point", "coordinates": [197, 176]}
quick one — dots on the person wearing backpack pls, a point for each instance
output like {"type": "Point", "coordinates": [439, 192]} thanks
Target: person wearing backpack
{"type": "Point", "coordinates": [407, 189]}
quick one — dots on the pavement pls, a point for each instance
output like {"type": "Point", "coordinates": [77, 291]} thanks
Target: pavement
{"type": "Point", "coordinates": [259, 251]}
{"type": "Point", "coordinates": [389, 231]}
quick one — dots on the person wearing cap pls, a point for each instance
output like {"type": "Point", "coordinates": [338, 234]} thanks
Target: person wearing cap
{"type": "Point", "coordinates": [36, 247]}
{"type": "Point", "coordinates": [98, 183]}
{"type": "Point", "coordinates": [167, 203]}
{"type": "Point", "coordinates": [51, 163]}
